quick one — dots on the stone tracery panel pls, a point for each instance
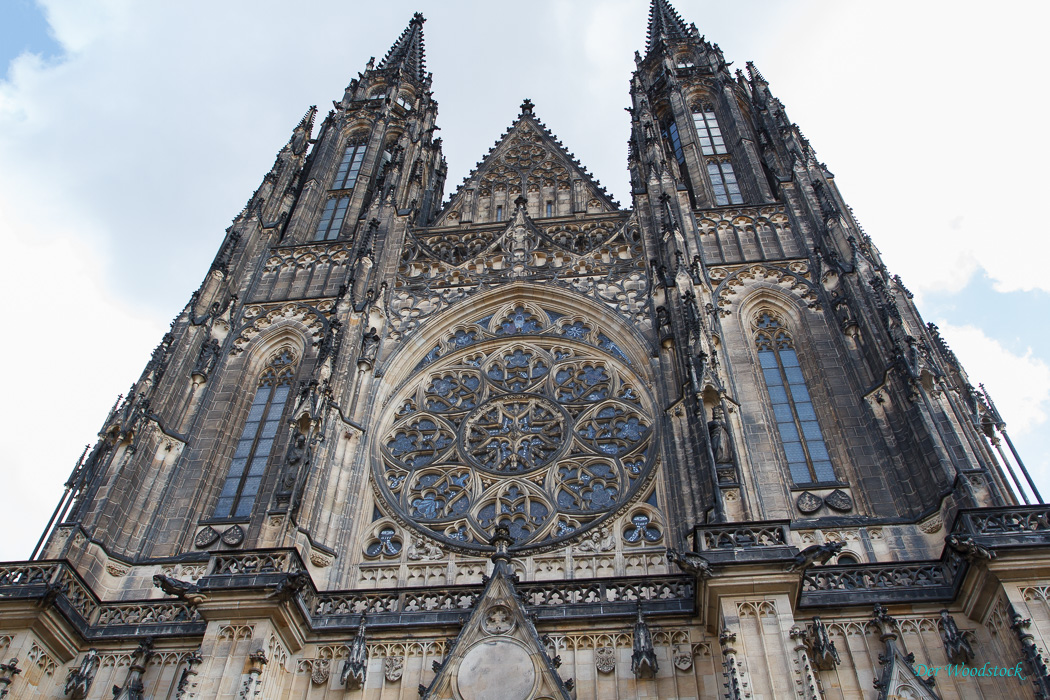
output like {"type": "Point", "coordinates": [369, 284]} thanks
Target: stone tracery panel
{"type": "Point", "coordinates": [520, 418]}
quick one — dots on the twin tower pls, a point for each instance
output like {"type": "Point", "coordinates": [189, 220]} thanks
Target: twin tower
{"type": "Point", "coordinates": [523, 442]}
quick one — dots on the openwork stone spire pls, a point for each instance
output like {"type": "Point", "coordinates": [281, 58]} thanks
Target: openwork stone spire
{"type": "Point", "coordinates": [664, 23]}
{"type": "Point", "coordinates": [408, 52]}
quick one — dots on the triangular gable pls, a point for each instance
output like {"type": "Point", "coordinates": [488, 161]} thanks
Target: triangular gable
{"type": "Point", "coordinates": [498, 653]}
{"type": "Point", "coordinates": [528, 160]}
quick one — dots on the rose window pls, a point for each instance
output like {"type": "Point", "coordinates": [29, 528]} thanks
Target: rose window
{"type": "Point", "coordinates": [547, 435]}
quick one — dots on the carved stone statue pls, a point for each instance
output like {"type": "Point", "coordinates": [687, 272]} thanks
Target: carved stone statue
{"type": "Point", "coordinates": [207, 359]}
{"type": "Point", "coordinates": [294, 459]}
{"type": "Point", "coordinates": [643, 655]}
{"type": "Point", "coordinates": [293, 583]}
{"type": "Point", "coordinates": [969, 548]}
{"type": "Point", "coordinates": [183, 590]}
{"type": "Point", "coordinates": [690, 563]}
{"type": "Point", "coordinates": [721, 447]}
{"type": "Point", "coordinates": [356, 665]}
{"type": "Point", "coordinates": [79, 682]}
{"type": "Point", "coordinates": [956, 645]}
{"type": "Point", "coordinates": [815, 554]}
{"type": "Point", "coordinates": [369, 349]}
{"type": "Point", "coordinates": [825, 655]}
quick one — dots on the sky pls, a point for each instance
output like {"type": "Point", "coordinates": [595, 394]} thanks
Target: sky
{"type": "Point", "coordinates": [132, 133]}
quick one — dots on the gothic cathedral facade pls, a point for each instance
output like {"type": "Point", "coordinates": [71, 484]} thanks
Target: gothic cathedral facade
{"type": "Point", "coordinates": [525, 442]}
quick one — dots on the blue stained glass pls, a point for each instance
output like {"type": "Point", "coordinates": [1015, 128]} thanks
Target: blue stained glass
{"type": "Point", "coordinates": [789, 357]}
{"type": "Point", "coordinates": [263, 450]}
{"type": "Point", "coordinates": [258, 466]}
{"type": "Point", "coordinates": [818, 452]}
{"type": "Point", "coordinates": [767, 359]}
{"type": "Point", "coordinates": [229, 489]}
{"type": "Point", "coordinates": [799, 473]}
{"type": "Point", "coordinates": [244, 448]}
{"type": "Point", "coordinates": [805, 411]}
{"type": "Point", "coordinates": [222, 508]}
{"type": "Point", "coordinates": [800, 393]}
{"type": "Point", "coordinates": [788, 432]}
{"type": "Point", "coordinates": [794, 375]}
{"type": "Point", "coordinates": [824, 471]}
{"type": "Point", "coordinates": [777, 394]}
{"type": "Point", "coordinates": [811, 431]}
{"type": "Point", "coordinates": [270, 428]}
{"type": "Point", "coordinates": [256, 413]}
{"type": "Point", "coordinates": [782, 412]}
{"type": "Point", "coordinates": [772, 377]}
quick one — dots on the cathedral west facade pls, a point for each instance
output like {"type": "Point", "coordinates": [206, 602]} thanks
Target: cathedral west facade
{"type": "Point", "coordinates": [526, 442]}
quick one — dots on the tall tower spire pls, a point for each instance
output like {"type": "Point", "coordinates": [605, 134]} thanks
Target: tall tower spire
{"type": "Point", "coordinates": [664, 24]}
{"type": "Point", "coordinates": [408, 51]}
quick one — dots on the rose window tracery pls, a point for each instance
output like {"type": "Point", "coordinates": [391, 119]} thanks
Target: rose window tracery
{"type": "Point", "coordinates": [548, 435]}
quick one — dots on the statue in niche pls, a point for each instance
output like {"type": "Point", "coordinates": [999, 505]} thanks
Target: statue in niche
{"type": "Point", "coordinates": [78, 684]}
{"type": "Point", "coordinates": [721, 447]}
{"type": "Point", "coordinates": [297, 455]}
{"type": "Point", "coordinates": [369, 349]}
{"type": "Point", "coordinates": [207, 359]}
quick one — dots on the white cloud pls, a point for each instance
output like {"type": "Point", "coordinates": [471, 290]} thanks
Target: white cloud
{"type": "Point", "coordinates": [1019, 384]}
{"type": "Point", "coordinates": [1020, 387]}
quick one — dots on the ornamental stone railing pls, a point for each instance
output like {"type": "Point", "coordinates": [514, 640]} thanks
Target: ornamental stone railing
{"type": "Point", "coordinates": [770, 533]}
{"type": "Point", "coordinates": [976, 533]}
{"type": "Point", "coordinates": [561, 600]}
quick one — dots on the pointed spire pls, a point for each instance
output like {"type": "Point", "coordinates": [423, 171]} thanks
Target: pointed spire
{"type": "Point", "coordinates": [307, 122]}
{"type": "Point", "coordinates": [664, 23]}
{"type": "Point", "coordinates": [407, 52]}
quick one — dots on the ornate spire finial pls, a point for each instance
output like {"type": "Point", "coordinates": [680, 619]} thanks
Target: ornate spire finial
{"type": "Point", "coordinates": [526, 106]}
{"type": "Point", "coordinates": [407, 52]}
{"type": "Point", "coordinates": [664, 23]}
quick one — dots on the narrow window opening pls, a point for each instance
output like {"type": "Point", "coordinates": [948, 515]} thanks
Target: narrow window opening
{"type": "Point", "coordinates": [724, 184]}
{"type": "Point", "coordinates": [800, 435]}
{"type": "Point", "coordinates": [349, 167]}
{"type": "Point", "coordinates": [499, 212]}
{"type": "Point", "coordinates": [332, 219]}
{"type": "Point", "coordinates": [256, 442]}
{"type": "Point", "coordinates": [708, 131]}
{"type": "Point", "coordinates": [550, 208]}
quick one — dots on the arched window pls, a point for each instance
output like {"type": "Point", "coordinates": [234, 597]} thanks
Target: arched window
{"type": "Point", "coordinates": [349, 166]}
{"type": "Point", "coordinates": [804, 447]}
{"type": "Point", "coordinates": [708, 131]}
{"type": "Point", "coordinates": [257, 437]}
{"type": "Point", "coordinates": [332, 219]}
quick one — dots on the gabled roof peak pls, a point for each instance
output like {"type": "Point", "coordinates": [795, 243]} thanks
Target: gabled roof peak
{"type": "Point", "coordinates": [528, 157]}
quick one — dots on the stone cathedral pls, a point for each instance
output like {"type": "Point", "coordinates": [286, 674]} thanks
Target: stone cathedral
{"type": "Point", "coordinates": [523, 442]}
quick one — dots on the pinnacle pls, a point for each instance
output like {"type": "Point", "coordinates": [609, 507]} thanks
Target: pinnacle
{"type": "Point", "coordinates": [664, 23]}
{"type": "Point", "coordinates": [408, 51]}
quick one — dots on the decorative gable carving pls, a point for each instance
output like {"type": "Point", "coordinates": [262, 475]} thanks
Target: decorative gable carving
{"type": "Point", "coordinates": [527, 159]}
{"type": "Point", "coordinates": [498, 653]}
{"type": "Point", "coordinates": [600, 257]}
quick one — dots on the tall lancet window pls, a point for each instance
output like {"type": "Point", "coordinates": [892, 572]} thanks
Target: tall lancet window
{"type": "Point", "coordinates": [332, 219]}
{"type": "Point", "coordinates": [256, 441]}
{"type": "Point", "coordinates": [707, 130]}
{"type": "Point", "coordinates": [349, 166]}
{"type": "Point", "coordinates": [804, 447]}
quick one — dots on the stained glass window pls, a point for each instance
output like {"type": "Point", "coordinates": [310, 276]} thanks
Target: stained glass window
{"type": "Point", "coordinates": [257, 437]}
{"type": "Point", "coordinates": [800, 434]}
{"type": "Point", "coordinates": [349, 166]}
{"type": "Point", "coordinates": [723, 181]}
{"type": "Point", "coordinates": [708, 132]}
{"type": "Point", "coordinates": [332, 219]}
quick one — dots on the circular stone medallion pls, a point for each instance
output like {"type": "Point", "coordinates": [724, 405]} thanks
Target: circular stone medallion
{"type": "Point", "coordinates": [515, 433]}
{"type": "Point", "coordinates": [497, 669]}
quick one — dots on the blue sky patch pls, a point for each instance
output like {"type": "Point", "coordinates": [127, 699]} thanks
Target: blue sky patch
{"type": "Point", "coordinates": [23, 28]}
